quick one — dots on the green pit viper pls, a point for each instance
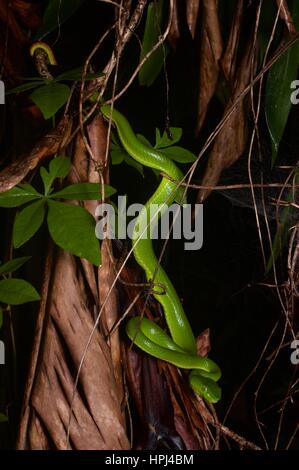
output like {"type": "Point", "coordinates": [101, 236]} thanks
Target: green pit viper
{"type": "Point", "coordinates": [180, 348]}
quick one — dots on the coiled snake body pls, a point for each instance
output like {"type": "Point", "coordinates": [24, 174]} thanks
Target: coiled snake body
{"type": "Point", "coordinates": [180, 348]}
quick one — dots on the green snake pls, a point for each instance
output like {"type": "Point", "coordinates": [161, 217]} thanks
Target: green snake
{"type": "Point", "coordinates": [180, 348]}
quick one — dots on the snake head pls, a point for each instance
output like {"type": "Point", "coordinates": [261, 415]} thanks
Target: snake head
{"type": "Point", "coordinates": [205, 387]}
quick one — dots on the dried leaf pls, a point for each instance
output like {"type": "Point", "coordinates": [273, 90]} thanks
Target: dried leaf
{"type": "Point", "coordinates": [228, 61]}
{"type": "Point", "coordinates": [210, 54]}
{"type": "Point", "coordinates": [230, 142]}
{"type": "Point", "coordinates": [174, 32]}
{"type": "Point", "coordinates": [192, 12]}
{"type": "Point", "coordinates": [286, 16]}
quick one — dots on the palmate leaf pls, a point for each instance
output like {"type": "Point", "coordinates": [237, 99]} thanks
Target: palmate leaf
{"type": "Point", "coordinates": [73, 229]}
{"type": "Point", "coordinates": [76, 74]}
{"type": "Point", "coordinates": [18, 196]}
{"type": "Point", "coordinates": [50, 98]}
{"type": "Point", "coordinates": [167, 140]}
{"type": "Point", "coordinates": [25, 87]}
{"type": "Point", "coordinates": [59, 168]}
{"type": "Point", "coordinates": [27, 222]}
{"type": "Point", "coordinates": [17, 292]}
{"type": "Point", "coordinates": [179, 154]}
{"type": "Point", "coordinates": [46, 178]}
{"type": "Point", "coordinates": [83, 192]}
{"type": "Point", "coordinates": [13, 265]}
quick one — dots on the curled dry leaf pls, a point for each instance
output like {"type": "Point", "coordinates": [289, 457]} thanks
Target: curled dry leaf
{"type": "Point", "coordinates": [210, 54]}
{"type": "Point", "coordinates": [192, 13]}
{"type": "Point", "coordinates": [230, 142]}
{"type": "Point", "coordinates": [229, 59]}
{"type": "Point", "coordinates": [190, 424]}
{"type": "Point", "coordinates": [174, 32]}
{"type": "Point", "coordinates": [286, 16]}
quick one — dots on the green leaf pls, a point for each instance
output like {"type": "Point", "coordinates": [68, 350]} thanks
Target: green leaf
{"type": "Point", "coordinates": [13, 265]}
{"type": "Point", "coordinates": [17, 291]}
{"type": "Point", "coordinates": [35, 79]}
{"type": "Point", "coordinates": [27, 222]}
{"type": "Point", "coordinates": [76, 74]}
{"type": "Point", "coordinates": [56, 13]}
{"type": "Point", "coordinates": [144, 140]}
{"type": "Point", "coordinates": [47, 180]}
{"type": "Point", "coordinates": [278, 90]}
{"type": "Point", "coordinates": [24, 87]}
{"type": "Point", "coordinates": [158, 137]}
{"type": "Point", "coordinates": [29, 189]}
{"type": "Point", "coordinates": [3, 418]}
{"type": "Point", "coordinates": [267, 19]}
{"type": "Point", "coordinates": [1, 320]}
{"type": "Point", "coordinates": [18, 195]}
{"type": "Point", "coordinates": [179, 154]}
{"type": "Point", "coordinates": [117, 156]}
{"type": "Point", "coordinates": [59, 167]}
{"type": "Point", "coordinates": [50, 98]}
{"type": "Point", "coordinates": [131, 162]}
{"type": "Point", "coordinates": [153, 27]}
{"type": "Point", "coordinates": [167, 140]}
{"type": "Point", "coordinates": [83, 192]}
{"type": "Point", "coordinates": [117, 153]}
{"type": "Point", "coordinates": [73, 229]}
